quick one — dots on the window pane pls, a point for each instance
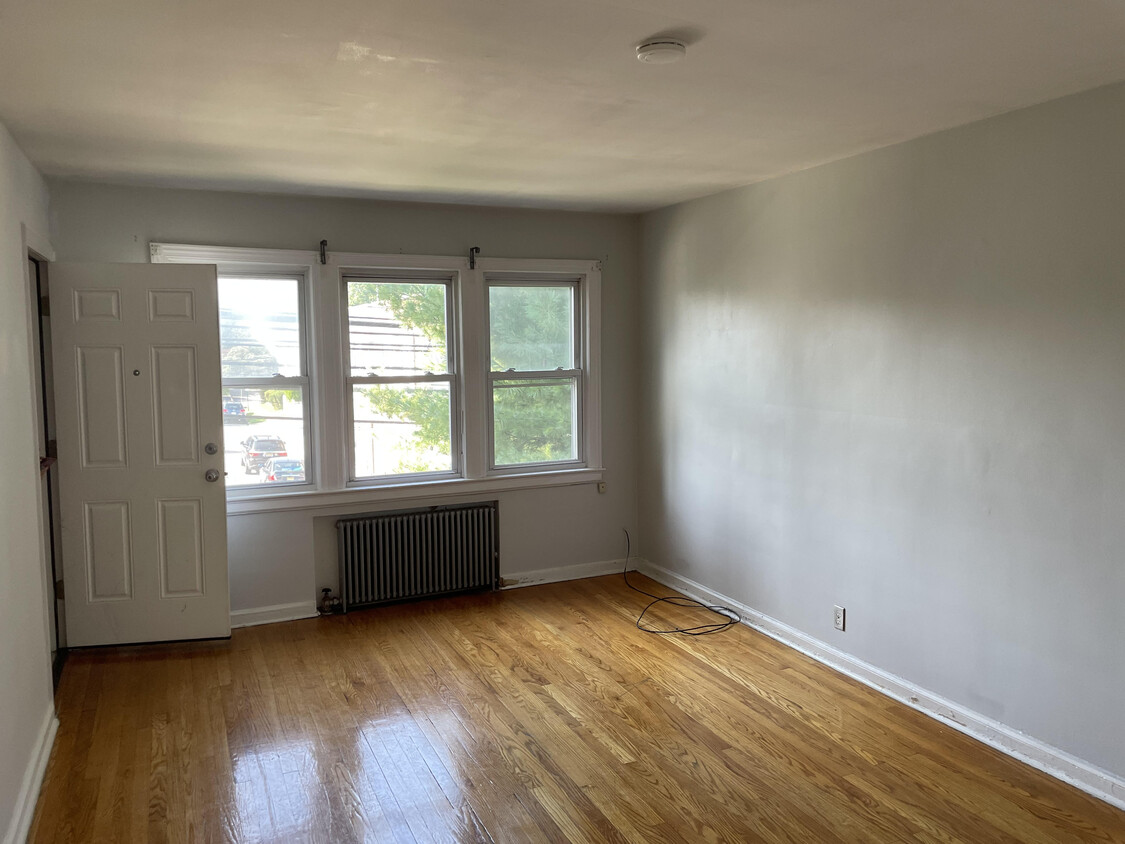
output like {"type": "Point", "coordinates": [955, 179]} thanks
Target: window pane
{"type": "Point", "coordinates": [401, 428]}
{"type": "Point", "coordinates": [534, 421]}
{"type": "Point", "coordinates": [259, 328]}
{"type": "Point", "coordinates": [264, 436]}
{"type": "Point", "coordinates": [397, 328]}
{"type": "Point", "coordinates": [531, 328]}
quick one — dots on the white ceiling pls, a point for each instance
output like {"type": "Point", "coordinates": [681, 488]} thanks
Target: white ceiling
{"type": "Point", "coordinates": [519, 102]}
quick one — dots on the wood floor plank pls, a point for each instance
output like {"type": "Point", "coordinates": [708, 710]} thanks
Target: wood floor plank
{"type": "Point", "coordinates": [714, 707]}
{"type": "Point", "coordinates": [518, 680]}
{"type": "Point", "coordinates": [538, 715]}
{"type": "Point", "coordinates": [490, 785]}
{"type": "Point", "coordinates": [554, 789]}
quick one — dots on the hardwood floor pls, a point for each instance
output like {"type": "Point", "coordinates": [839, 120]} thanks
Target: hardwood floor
{"type": "Point", "coordinates": [534, 715]}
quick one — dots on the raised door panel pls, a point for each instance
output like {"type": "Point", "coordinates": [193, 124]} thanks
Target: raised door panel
{"type": "Point", "coordinates": [97, 305]}
{"type": "Point", "coordinates": [109, 551]}
{"type": "Point", "coordinates": [165, 305]}
{"type": "Point", "coordinates": [180, 528]}
{"type": "Point", "coordinates": [101, 407]}
{"type": "Point", "coordinates": [174, 406]}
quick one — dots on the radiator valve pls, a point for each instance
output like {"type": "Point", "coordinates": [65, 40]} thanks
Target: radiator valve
{"type": "Point", "coordinates": [329, 603]}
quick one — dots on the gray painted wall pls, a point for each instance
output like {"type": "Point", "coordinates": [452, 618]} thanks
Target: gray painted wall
{"type": "Point", "coordinates": [273, 556]}
{"type": "Point", "coordinates": [897, 383]}
{"type": "Point", "coordinates": [26, 704]}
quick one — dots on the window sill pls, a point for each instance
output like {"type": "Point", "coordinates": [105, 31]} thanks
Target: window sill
{"type": "Point", "coordinates": [358, 496]}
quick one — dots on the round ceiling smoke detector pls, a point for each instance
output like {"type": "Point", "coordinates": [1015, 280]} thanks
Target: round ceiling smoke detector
{"type": "Point", "coordinates": [663, 51]}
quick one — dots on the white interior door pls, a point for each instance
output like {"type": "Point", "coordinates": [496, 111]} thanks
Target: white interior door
{"type": "Point", "coordinates": [139, 419]}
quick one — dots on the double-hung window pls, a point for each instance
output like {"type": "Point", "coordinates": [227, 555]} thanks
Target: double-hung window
{"type": "Point", "coordinates": [401, 377]}
{"type": "Point", "coordinates": [535, 373]}
{"type": "Point", "coordinates": [265, 380]}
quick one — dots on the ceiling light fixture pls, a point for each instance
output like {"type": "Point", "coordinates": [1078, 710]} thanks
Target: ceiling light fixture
{"type": "Point", "coordinates": [663, 51]}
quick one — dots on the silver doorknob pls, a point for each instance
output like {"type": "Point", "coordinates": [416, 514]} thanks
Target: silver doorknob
{"type": "Point", "coordinates": [211, 475]}
{"type": "Point", "coordinates": [211, 448]}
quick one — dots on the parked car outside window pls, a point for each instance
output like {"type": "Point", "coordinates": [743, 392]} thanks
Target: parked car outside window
{"type": "Point", "coordinates": [284, 470]}
{"type": "Point", "coordinates": [259, 450]}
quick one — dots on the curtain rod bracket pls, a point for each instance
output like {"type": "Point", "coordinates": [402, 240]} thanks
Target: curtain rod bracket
{"type": "Point", "coordinates": [324, 252]}
{"type": "Point", "coordinates": [473, 252]}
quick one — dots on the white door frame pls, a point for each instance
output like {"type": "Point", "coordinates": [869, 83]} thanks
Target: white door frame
{"type": "Point", "coordinates": [35, 245]}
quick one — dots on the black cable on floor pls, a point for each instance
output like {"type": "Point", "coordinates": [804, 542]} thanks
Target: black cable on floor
{"type": "Point", "coordinates": [729, 616]}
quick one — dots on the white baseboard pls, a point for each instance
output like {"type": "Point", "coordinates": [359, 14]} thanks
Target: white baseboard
{"type": "Point", "coordinates": [1058, 763]}
{"type": "Point", "coordinates": [307, 609]}
{"type": "Point", "coordinates": [269, 615]}
{"type": "Point", "coordinates": [32, 781]}
{"type": "Point", "coordinates": [558, 574]}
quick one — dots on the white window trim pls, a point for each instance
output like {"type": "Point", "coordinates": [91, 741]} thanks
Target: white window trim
{"type": "Point", "coordinates": [589, 306]}
{"type": "Point", "coordinates": [415, 491]}
{"type": "Point", "coordinates": [326, 333]}
{"type": "Point", "coordinates": [576, 373]}
{"type": "Point", "coordinates": [453, 375]}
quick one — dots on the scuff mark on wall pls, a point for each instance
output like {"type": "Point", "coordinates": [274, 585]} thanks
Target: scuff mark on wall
{"type": "Point", "coordinates": [351, 51]}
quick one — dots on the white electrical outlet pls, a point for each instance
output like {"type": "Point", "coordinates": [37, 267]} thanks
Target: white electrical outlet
{"type": "Point", "coordinates": [601, 486]}
{"type": "Point", "coordinates": [838, 617]}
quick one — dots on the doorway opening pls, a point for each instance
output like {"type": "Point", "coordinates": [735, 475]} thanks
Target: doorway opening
{"type": "Point", "coordinates": [48, 454]}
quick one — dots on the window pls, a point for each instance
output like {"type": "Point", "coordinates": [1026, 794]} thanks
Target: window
{"type": "Point", "coordinates": [368, 373]}
{"type": "Point", "coordinates": [401, 381]}
{"type": "Point", "coordinates": [534, 375]}
{"type": "Point", "coordinates": [265, 380]}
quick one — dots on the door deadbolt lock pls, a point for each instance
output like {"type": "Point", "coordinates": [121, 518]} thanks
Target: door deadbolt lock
{"type": "Point", "coordinates": [211, 448]}
{"type": "Point", "coordinates": [211, 475]}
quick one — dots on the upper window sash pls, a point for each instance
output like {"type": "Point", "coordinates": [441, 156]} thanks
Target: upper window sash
{"type": "Point", "coordinates": [238, 262]}
{"type": "Point", "coordinates": [572, 360]}
{"type": "Point", "coordinates": [229, 280]}
{"type": "Point", "coordinates": [388, 371]}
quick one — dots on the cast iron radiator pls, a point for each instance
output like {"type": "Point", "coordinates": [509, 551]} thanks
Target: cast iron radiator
{"type": "Point", "coordinates": [414, 553]}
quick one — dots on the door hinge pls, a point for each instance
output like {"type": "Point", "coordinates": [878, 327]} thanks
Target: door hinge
{"type": "Point", "coordinates": [53, 449]}
{"type": "Point", "coordinates": [44, 305]}
{"type": "Point", "coordinates": [60, 590]}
